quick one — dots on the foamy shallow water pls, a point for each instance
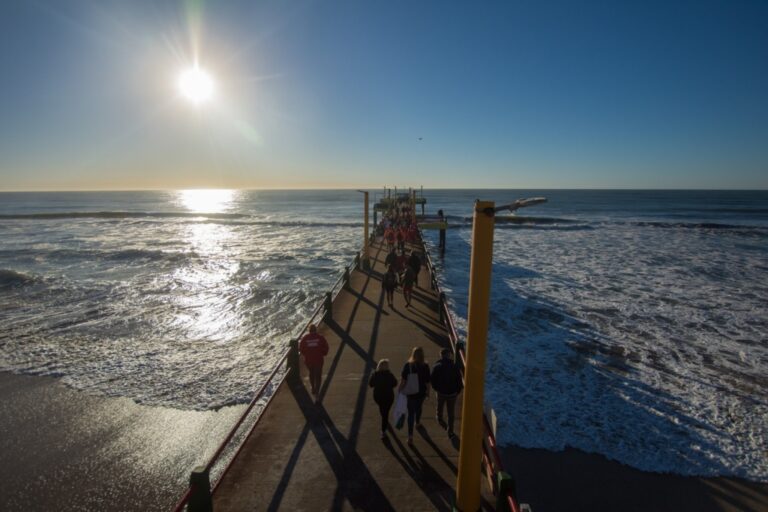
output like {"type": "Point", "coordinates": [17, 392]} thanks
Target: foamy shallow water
{"type": "Point", "coordinates": [638, 335]}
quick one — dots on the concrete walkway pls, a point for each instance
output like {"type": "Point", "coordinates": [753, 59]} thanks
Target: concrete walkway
{"type": "Point", "coordinates": [329, 456]}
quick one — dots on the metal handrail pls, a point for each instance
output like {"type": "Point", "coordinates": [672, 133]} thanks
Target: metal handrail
{"type": "Point", "coordinates": [259, 394]}
{"type": "Point", "coordinates": [492, 455]}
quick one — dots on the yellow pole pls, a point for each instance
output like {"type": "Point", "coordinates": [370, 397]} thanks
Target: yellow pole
{"type": "Point", "coordinates": [470, 451]}
{"type": "Point", "coordinates": [366, 261]}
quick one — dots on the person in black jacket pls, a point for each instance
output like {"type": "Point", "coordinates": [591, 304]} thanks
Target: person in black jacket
{"type": "Point", "coordinates": [383, 383]}
{"type": "Point", "coordinates": [415, 263]}
{"type": "Point", "coordinates": [447, 382]}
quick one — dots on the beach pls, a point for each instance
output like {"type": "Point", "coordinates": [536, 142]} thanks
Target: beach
{"type": "Point", "coordinates": [67, 450]}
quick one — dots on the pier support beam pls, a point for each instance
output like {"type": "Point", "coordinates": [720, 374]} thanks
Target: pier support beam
{"type": "Point", "coordinates": [200, 500]}
{"type": "Point", "coordinates": [294, 373]}
{"type": "Point", "coordinates": [366, 257]}
{"type": "Point", "coordinates": [470, 451]}
{"type": "Point", "coordinates": [328, 306]}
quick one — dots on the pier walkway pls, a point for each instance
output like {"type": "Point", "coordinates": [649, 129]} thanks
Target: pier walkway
{"type": "Point", "coordinates": [306, 456]}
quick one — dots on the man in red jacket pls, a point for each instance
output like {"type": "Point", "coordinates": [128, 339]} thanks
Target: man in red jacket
{"type": "Point", "coordinates": [313, 347]}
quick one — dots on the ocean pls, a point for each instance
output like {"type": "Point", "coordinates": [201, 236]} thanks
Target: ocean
{"type": "Point", "coordinates": [633, 324]}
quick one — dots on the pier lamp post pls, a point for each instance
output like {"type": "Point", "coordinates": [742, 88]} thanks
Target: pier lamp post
{"type": "Point", "coordinates": [470, 450]}
{"type": "Point", "coordinates": [366, 262]}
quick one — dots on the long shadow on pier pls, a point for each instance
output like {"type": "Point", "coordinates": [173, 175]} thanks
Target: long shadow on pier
{"type": "Point", "coordinates": [327, 455]}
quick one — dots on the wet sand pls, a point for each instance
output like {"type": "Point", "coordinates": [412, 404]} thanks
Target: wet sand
{"type": "Point", "coordinates": [62, 449]}
{"type": "Point", "coordinates": [577, 481]}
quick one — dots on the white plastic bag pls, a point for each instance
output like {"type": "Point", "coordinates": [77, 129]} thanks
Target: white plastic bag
{"type": "Point", "coordinates": [400, 410]}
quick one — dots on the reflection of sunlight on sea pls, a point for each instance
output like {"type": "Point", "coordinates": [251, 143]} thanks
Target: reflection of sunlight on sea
{"type": "Point", "coordinates": [206, 200]}
{"type": "Point", "coordinates": [209, 303]}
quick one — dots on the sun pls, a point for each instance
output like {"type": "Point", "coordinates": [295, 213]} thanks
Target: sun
{"type": "Point", "coordinates": [196, 85]}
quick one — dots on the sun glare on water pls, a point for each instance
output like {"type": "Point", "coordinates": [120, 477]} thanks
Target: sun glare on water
{"type": "Point", "coordinates": [206, 201]}
{"type": "Point", "coordinates": [196, 85]}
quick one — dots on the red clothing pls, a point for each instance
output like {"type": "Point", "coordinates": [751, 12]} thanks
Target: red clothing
{"type": "Point", "coordinates": [313, 347]}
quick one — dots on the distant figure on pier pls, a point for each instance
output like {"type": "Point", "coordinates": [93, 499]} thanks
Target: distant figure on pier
{"type": "Point", "coordinates": [408, 279]}
{"type": "Point", "coordinates": [389, 236]}
{"type": "Point", "coordinates": [313, 347]}
{"type": "Point", "coordinates": [401, 239]}
{"type": "Point", "coordinates": [389, 282]}
{"type": "Point", "coordinates": [391, 259]}
{"type": "Point", "coordinates": [415, 263]}
{"type": "Point", "coordinates": [446, 381]}
{"type": "Point", "coordinates": [415, 386]}
{"type": "Point", "coordinates": [383, 383]}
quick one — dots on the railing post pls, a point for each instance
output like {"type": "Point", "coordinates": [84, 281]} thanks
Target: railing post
{"type": "Point", "coordinates": [200, 500]}
{"type": "Point", "coordinates": [294, 372]}
{"type": "Point", "coordinates": [328, 306]}
{"type": "Point", "coordinates": [433, 279]}
{"type": "Point", "coordinates": [460, 347]}
{"type": "Point", "coordinates": [441, 305]}
{"type": "Point", "coordinates": [346, 278]}
{"type": "Point", "coordinates": [357, 261]}
{"type": "Point", "coordinates": [506, 486]}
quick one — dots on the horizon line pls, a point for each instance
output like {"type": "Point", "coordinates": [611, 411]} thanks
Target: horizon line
{"type": "Point", "coordinates": [248, 189]}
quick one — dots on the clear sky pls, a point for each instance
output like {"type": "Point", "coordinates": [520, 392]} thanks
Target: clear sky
{"type": "Point", "coordinates": [362, 94]}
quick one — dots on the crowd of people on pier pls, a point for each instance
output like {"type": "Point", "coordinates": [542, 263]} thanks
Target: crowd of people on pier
{"type": "Point", "coordinates": [407, 394]}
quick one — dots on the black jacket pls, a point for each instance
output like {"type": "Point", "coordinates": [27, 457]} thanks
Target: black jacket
{"type": "Point", "coordinates": [383, 384]}
{"type": "Point", "coordinates": [446, 377]}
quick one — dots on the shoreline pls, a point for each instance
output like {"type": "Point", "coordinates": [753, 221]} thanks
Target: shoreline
{"type": "Point", "coordinates": [576, 480]}
{"type": "Point", "coordinates": [64, 449]}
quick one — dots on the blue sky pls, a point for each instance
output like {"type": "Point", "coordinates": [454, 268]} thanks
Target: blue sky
{"type": "Point", "coordinates": [338, 94]}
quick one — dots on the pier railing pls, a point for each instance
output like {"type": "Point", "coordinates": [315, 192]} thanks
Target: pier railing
{"type": "Point", "coordinates": [198, 495]}
{"type": "Point", "coordinates": [500, 482]}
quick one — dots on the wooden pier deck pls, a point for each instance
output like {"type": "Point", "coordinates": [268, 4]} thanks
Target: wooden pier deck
{"type": "Point", "coordinates": [305, 456]}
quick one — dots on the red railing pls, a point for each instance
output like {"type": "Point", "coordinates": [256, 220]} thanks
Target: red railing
{"type": "Point", "coordinates": [491, 459]}
{"type": "Point", "coordinates": [321, 308]}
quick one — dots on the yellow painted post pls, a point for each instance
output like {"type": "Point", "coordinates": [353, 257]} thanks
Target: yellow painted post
{"type": "Point", "coordinates": [470, 451]}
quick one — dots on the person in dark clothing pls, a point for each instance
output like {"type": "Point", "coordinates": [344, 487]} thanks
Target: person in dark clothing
{"type": "Point", "coordinates": [415, 263]}
{"type": "Point", "coordinates": [391, 258]}
{"type": "Point", "coordinates": [447, 382]}
{"type": "Point", "coordinates": [389, 282]}
{"type": "Point", "coordinates": [415, 385]}
{"type": "Point", "coordinates": [314, 347]}
{"type": "Point", "coordinates": [407, 281]}
{"type": "Point", "coordinates": [383, 383]}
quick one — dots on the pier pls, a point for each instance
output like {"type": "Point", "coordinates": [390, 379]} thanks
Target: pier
{"type": "Point", "coordinates": [327, 454]}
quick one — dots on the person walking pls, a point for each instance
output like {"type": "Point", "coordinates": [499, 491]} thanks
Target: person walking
{"type": "Point", "coordinates": [391, 258]}
{"type": "Point", "coordinates": [415, 386]}
{"type": "Point", "coordinates": [447, 383]}
{"type": "Point", "coordinates": [415, 263]}
{"type": "Point", "coordinates": [313, 347]}
{"type": "Point", "coordinates": [383, 383]}
{"type": "Point", "coordinates": [389, 282]}
{"type": "Point", "coordinates": [408, 279]}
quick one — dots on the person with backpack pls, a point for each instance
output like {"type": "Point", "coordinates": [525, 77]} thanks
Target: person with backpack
{"type": "Point", "coordinates": [415, 386]}
{"type": "Point", "coordinates": [383, 383]}
{"type": "Point", "coordinates": [447, 382]}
